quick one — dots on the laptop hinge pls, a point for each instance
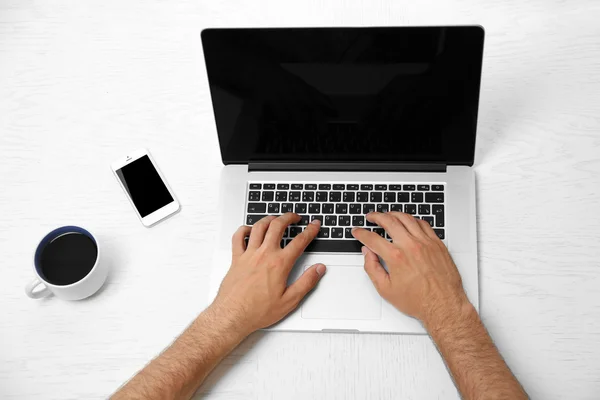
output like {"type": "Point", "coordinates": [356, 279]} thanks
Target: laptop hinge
{"type": "Point", "coordinates": [346, 166]}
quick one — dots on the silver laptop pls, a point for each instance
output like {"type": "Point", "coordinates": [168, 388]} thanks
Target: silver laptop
{"type": "Point", "coordinates": [332, 123]}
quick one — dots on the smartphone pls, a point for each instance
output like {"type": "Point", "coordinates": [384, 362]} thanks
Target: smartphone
{"type": "Point", "coordinates": [145, 187]}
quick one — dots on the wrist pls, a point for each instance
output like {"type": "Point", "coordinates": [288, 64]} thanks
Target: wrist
{"type": "Point", "coordinates": [456, 311]}
{"type": "Point", "coordinates": [227, 321]}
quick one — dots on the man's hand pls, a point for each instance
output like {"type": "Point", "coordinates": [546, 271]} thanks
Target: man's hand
{"type": "Point", "coordinates": [423, 281]}
{"type": "Point", "coordinates": [254, 294]}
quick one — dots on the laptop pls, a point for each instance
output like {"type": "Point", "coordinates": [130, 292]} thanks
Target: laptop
{"type": "Point", "coordinates": [332, 123]}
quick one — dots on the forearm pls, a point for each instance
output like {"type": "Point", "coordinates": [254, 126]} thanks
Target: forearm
{"type": "Point", "coordinates": [472, 358]}
{"type": "Point", "coordinates": [180, 370]}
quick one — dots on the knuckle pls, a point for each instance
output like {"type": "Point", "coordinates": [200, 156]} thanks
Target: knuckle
{"type": "Point", "coordinates": [397, 254]}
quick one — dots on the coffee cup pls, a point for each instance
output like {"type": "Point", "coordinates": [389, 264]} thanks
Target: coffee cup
{"type": "Point", "coordinates": [67, 264]}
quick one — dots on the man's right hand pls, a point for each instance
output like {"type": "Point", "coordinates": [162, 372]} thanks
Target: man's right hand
{"type": "Point", "coordinates": [423, 281]}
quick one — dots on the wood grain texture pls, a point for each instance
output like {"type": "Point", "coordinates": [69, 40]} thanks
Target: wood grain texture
{"type": "Point", "coordinates": [81, 83]}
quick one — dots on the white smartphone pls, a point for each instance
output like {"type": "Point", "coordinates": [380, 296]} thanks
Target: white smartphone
{"type": "Point", "coordinates": [145, 187]}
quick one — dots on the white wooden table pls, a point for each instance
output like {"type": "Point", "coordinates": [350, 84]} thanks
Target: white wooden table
{"type": "Point", "coordinates": [82, 83]}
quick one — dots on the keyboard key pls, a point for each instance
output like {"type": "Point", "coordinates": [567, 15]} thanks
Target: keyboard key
{"type": "Point", "coordinates": [366, 187]}
{"type": "Point", "coordinates": [295, 231]}
{"type": "Point", "coordinates": [380, 187]}
{"type": "Point", "coordinates": [300, 208]}
{"type": "Point", "coordinates": [287, 207]}
{"type": "Point", "coordinates": [358, 220]}
{"type": "Point", "coordinates": [423, 187]}
{"type": "Point", "coordinates": [424, 209]}
{"type": "Point", "coordinates": [416, 197]}
{"type": "Point", "coordinates": [252, 219]}
{"type": "Point", "coordinates": [379, 231]}
{"type": "Point", "coordinates": [297, 186]}
{"type": "Point", "coordinates": [389, 197]}
{"type": "Point", "coordinates": [303, 220]}
{"type": "Point", "coordinates": [348, 197]}
{"type": "Point", "coordinates": [319, 217]}
{"type": "Point", "coordinates": [438, 211]}
{"type": "Point", "coordinates": [330, 220]}
{"type": "Point", "coordinates": [314, 208]}
{"type": "Point", "coordinates": [395, 187]}
{"type": "Point", "coordinates": [439, 233]}
{"type": "Point", "coordinates": [369, 223]}
{"type": "Point", "coordinates": [403, 197]}
{"type": "Point", "coordinates": [376, 197]}
{"type": "Point", "coordinates": [269, 186]}
{"type": "Point", "coordinates": [351, 187]}
{"type": "Point", "coordinates": [324, 186]}
{"type": "Point", "coordinates": [434, 197]}
{"type": "Point", "coordinates": [255, 208]}
{"type": "Point", "coordinates": [310, 186]}
{"type": "Point", "coordinates": [367, 208]}
{"type": "Point", "coordinates": [323, 233]}
{"type": "Point", "coordinates": [396, 207]}
{"type": "Point", "coordinates": [429, 220]}
{"type": "Point", "coordinates": [341, 208]}
{"type": "Point", "coordinates": [354, 208]}
{"type": "Point", "coordinates": [327, 208]}
{"type": "Point", "coordinates": [295, 196]}
{"type": "Point", "coordinates": [273, 208]}
{"type": "Point", "coordinates": [268, 196]}
{"type": "Point", "coordinates": [281, 196]}
{"type": "Point", "coordinates": [283, 186]}
{"type": "Point", "coordinates": [344, 220]}
{"type": "Point", "coordinates": [308, 196]}
{"type": "Point", "coordinates": [337, 233]}
{"type": "Point", "coordinates": [254, 196]}
{"type": "Point", "coordinates": [335, 197]}
{"type": "Point", "coordinates": [334, 246]}
{"type": "Point", "coordinates": [410, 209]}
{"type": "Point", "coordinates": [362, 197]}
{"type": "Point", "coordinates": [348, 233]}
{"type": "Point", "coordinates": [409, 187]}
{"type": "Point", "coordinates": [438, 188]}
{"type": "Point", "coordinates": [383, 208]}
{"type": "Point", "coordinates": [339, 186]}
{"type": "Point", "coordinates": [321, 197]}
{"type": "Point", "coordinates": [255, 186]}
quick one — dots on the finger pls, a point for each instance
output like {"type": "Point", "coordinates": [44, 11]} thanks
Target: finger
{"type": "Point", "coordinates": [307, 281]}
{"type": "Point", "coordinates": [373, 241]}
{"type": "Point", "coordinates": [278, 227]}
{"type": "Point", "coordinates": [297, 246]}
{"type": "Point", "coordinates": [257, 235]}
{"type": "Point", "coordinates": [427, 229]}
{"type": "Point", "coordinates": [410, 223]}
{"type": "Point", "coordinates": [238, 241]}
{"type": "Point", "coordinates": [376, 272]}
{"type": "Point", "coordinates": [390, 223]}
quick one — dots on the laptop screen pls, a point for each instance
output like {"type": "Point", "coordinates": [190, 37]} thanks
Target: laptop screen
{"type": "Point", "coordinates": [345, 94]}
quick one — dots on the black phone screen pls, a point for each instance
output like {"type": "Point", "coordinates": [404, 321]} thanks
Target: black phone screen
{"type": "Point", "coordinates": [145, 186]}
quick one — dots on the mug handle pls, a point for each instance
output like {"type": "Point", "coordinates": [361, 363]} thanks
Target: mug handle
{"type": "Point", "coordinates": [40, 293]}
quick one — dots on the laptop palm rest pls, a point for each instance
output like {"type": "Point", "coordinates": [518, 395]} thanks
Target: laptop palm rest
{"type": "Point", "coordinates": [345, 292]}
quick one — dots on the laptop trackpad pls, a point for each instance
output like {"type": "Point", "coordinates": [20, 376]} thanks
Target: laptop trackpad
{"type": "Point", "coordinates": [345, 292]}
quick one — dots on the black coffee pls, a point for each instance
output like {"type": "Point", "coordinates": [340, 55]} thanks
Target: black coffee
{"type": "Point", "coordinates": [68, 258]}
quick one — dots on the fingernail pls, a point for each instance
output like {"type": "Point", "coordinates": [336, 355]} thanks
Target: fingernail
{"type": "Point", "coordinates": [321, 269]}
{"type": "Point", "coordinates": [315, 221]}
{"type": "Point", "coordinates": [363, 250]}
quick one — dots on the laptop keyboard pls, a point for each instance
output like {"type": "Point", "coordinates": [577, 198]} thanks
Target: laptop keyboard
{"type": "Point", "coordinates": [342, 206]}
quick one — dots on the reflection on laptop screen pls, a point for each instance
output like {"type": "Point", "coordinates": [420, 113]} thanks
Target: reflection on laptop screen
{"type": "Point", "coordinates": [345, 94]}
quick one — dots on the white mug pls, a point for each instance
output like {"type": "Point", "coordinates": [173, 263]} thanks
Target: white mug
{"type": "Point", "coordinates": [81, 289]}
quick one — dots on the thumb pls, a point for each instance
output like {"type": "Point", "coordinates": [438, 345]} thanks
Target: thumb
{"type": "Point", "coordinates": [375, 270]}
{"type": "Point", "coordinates": [307, 281]}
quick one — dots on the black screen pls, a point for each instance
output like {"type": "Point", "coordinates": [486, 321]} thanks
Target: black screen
{"type": "Point", "coordinates": [144, 185]}
{"type": "Point", "coordinates": [345, 94]}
